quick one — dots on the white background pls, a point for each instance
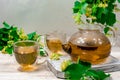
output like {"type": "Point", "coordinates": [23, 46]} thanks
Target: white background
{"type": "Point", "coordinates": [38, 15]}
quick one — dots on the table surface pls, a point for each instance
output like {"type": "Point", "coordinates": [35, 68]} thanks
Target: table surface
{"type": "Point", "coordinates": [8, 69]}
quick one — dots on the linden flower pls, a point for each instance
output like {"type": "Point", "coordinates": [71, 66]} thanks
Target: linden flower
{"type": "Point", "coordinates": [104, 5]}
{"type": "Point", "coordinates": [22, 34]}
{"type": "Point", "coordinates": [93, 17]}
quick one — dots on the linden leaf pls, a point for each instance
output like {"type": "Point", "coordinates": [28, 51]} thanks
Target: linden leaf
{"type": "Point", "coordinates": [112, 1]}
{"type": "Point", "coordinates": [106, 29]}
{"type": "Point", "coordinates": [83, 71]}
{"type": "Point", "coordinates": [1, 47]}
{"type": "Point", "coordinates": [31, 35]}
{"type": "Point", "coordinates": [72, 71]}
{"type": "Point", "coordinates": [7, 26]}
{"type": "Point", "coordinates": [9, 50]}
{"type": "Point", "coordinates": [110, 19]}
{"type": "Point", "coordinates": [85, 64]}
{"type": "Point", "coordinates": [119, 1]}
{"type": "Point", "coordinates": [76, 7]}
{"type": "Point", "coordinates": [83, 8]}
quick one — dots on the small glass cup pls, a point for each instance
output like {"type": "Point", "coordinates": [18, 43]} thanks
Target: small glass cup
{"type": "Point", "coordinates": [26, 53]}
{"type": "Point", "coordinates": [54, 42]}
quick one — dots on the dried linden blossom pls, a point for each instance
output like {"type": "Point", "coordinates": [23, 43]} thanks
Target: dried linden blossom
{"type": "Point", "coordinates": [55, 56]}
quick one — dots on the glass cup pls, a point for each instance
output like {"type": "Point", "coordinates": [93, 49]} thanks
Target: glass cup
{"type": "Point", "coordinates": [54, 41]}
{"type": "Point", "coordinates": [26, 53]}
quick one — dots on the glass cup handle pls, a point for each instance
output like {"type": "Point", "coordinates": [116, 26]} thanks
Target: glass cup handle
{"type": "Point", "coordinates": [41, 60]}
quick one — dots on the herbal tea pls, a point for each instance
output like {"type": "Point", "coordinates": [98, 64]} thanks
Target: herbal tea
{"type": "Point", "coordinates": [92, 54]}
{"type": "Point", "coordinates": [54, 45]}
{"type": "Point", "coordinates": [26, 54]}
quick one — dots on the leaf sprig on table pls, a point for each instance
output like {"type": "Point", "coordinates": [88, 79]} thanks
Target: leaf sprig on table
{"type": "Point", "coordinates": [10, 34]}
{"type": "Point", "coordinates": [82, 71]}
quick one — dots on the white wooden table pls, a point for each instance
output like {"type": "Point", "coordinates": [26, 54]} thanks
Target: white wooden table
{"type": "Point", "coordinates": [8, 69]}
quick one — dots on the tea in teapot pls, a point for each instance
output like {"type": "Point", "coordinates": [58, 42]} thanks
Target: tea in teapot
{"type": "Point", "coordinates": [89, 46]}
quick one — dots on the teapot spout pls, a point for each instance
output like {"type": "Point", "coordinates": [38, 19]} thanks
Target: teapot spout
{"type": "Point", "coordinates": [67, 48]}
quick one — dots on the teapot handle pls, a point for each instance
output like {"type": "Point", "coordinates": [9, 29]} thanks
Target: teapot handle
{"type": "Point", "coordinates": [112, 38]}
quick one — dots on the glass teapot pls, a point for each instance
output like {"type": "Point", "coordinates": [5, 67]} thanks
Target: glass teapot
{"type": "Point", "coordinates": [89, 44]}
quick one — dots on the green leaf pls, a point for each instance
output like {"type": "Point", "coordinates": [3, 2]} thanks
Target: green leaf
{"type": "Point", "coordinates": [83, 71]}
{"type": "Point", "coordinates": [99, 12]}
{"type": "Point", "coordinates": [76, 7]}
{"type": "Point", "coordinates": [75, 10]}
{"type": "Point", "coordinates": [119, 1]}
{"type": "Point", "coordinates": [104, 16]}
{"type": "Point", "coordinates": [73, 70]}
{"type": "Point", "coordinates": [79, 7]}
{"type": "Point", "coordinates": [110, 7]}
{"type": "Point", "coordinates": [5, 39]}
{"type": "Point", "coordinates": [94, 9]}
{"type": "Point", "coordinates": [89, 1]}
{"type": "Point", "coordinates": [77, 4]}
{"type": "Point", "coordinates": [106, 29]}
{"type": "Point", "coordinates": [1, 35]}
{"type": "Point", "coordinates": [112, 1]}
{"type": "Point", "coordinates": [77, 70]}
{"type": "Point", "coordinates": [98, 74]}
{"type": "Point", "coordinates": [9, 50]}
{"type": "Point", "coordinates": [1, 47]}
{"type": "Point", "coordinates": [83, 8]}
{"type": "Point", "coordinates": [31, 35]}
{"type": "Point", "coordinates": [93, 74]}
{"type": "Point", "coordinates": [6, 25]}
{"type": "Point", "coordinates": [42, 51]}
{"type": "Point", "coordinates": [101, 20]}
{"type": "Point", "coordinates": [84, 64]}
{"type": "Point", "coordinates": [13, 31]}
{"type": "Point", "coordinates": [110, 19]}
